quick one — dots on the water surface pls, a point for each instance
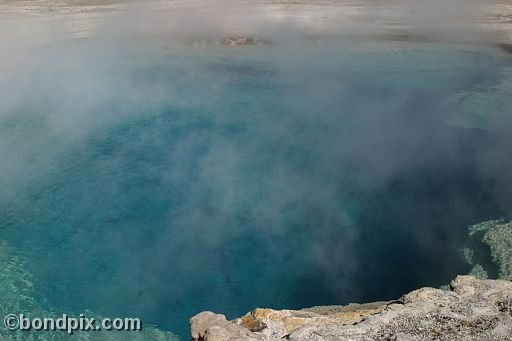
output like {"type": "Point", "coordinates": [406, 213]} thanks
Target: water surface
{"type": "Point", "coordinates": [162, 184]}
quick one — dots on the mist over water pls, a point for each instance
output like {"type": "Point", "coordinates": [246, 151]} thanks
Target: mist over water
{"type": "Point", "coordinates": [157, 180]}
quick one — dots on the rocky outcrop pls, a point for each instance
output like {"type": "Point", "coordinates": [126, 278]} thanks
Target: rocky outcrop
{"type": "Point", "coordinates": [245, 41]}
{"type": "Point", "coordinates": [473, 309]}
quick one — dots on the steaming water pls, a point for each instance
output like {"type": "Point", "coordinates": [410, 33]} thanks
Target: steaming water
{"type": "Point", "coordinates": [162, 185]}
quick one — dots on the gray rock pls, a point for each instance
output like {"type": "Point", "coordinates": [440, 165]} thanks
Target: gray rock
{"type": "Point", "coordinates": [208, 326]}
{"type": "Point", "coordinates": [473, 309]}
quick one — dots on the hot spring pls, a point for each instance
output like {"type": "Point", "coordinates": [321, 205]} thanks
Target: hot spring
{"type": "Point", "coordinates": [162, 184]}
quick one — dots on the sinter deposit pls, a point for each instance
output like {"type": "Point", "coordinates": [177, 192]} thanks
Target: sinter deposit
{"type": "Point", "coordinates": [473, 309]}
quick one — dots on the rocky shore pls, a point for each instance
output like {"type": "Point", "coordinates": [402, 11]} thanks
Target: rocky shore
{"type": "Point", "coordinates": [472, 309]}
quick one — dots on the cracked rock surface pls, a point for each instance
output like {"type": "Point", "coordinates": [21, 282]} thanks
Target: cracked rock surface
{"type": "Point", "coordinates": [473, 309]}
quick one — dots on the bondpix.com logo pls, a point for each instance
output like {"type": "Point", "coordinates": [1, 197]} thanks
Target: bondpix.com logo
{"type": "Point", "coordinates": [70, 324]}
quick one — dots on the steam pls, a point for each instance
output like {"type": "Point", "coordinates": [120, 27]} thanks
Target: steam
{"type": "Point", "coordinates": [170, 163]}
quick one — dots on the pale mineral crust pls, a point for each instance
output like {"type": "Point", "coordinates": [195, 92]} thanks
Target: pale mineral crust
{"type": "Point", "coordinates": [473, 309]}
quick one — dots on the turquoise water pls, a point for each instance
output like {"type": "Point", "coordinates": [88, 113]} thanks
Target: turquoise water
{"type": "Point", "coordinates": [162, 184]}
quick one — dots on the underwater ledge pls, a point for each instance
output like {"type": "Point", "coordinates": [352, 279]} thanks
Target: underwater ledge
{"type": "Point", "coordinates": [472, 309]}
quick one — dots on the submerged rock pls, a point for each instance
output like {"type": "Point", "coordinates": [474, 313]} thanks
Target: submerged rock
{"type": "Point", "coordinates": [17, 296]}
{"type": "Point", "coordinates": [499, 239]}
{"type": "Point", "coordinates": [497, 235]}
{"type": "Point", "coordinates": [479, 272]}
{"type": "Point", "coordinates": [473, 309]}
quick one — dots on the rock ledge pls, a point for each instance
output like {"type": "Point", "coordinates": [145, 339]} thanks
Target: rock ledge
{"type": "Point", "coordinates": [473, 309]}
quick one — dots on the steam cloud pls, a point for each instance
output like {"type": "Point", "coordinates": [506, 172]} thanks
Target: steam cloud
{"type": "Point", "coordinates": [291, 159]}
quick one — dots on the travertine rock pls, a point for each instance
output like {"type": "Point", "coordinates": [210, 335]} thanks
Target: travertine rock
{"type": "Point", "coordinates": [244, 41]}
{"type": "Point", "coordinates": [474, 309]}
{"type": "Point", "coordinates": [208, 326]}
